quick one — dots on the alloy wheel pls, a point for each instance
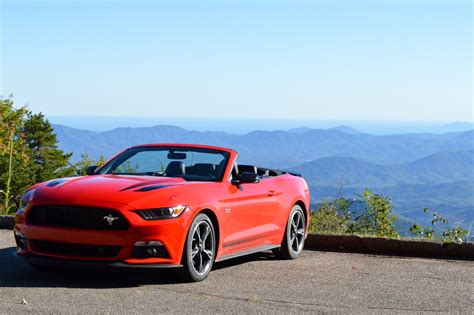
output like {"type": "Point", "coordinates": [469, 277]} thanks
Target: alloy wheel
{"type": "Point", "coordinates": [202, 248]}
{"type": "Point", "coordinates": [297, 230]}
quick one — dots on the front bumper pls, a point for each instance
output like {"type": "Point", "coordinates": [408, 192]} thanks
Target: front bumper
{"type": "Point", "coordinates": [171, 234]}
{"type": "Point", "coordinates": [40, 260]}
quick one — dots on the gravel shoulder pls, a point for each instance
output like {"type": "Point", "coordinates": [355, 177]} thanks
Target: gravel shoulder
{"type": "Point", "coordinates": [316, 282]}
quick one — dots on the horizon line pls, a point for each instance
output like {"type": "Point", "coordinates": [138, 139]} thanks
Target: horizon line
{"type": "Point", "coordinates": [263, 119]}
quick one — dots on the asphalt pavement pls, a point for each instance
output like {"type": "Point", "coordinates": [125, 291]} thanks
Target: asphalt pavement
{"type": "Point", "coordinates": [316, 282]}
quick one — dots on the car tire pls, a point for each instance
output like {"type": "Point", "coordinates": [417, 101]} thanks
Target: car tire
{"type": "Point", "coordinates": [295, 234]}
{"type": "Point", "coordinates": [199, 250]}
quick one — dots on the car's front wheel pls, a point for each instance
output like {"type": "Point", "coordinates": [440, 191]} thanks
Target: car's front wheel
{"type": "Point", "coordinates": [293, 240]}
{"type": "Point", "coordinates": [199, 250]}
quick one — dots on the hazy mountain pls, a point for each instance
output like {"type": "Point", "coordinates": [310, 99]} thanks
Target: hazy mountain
{"type": "Point", "coordinates": [244, 125]}
{"type": "Point", "coordinates": [415, 170]}
{"type": "Point", "coordinates": [346, 129]}
{"type": "Point", "coordinates": [272, 148]}
{"type": "Point", "coordinates": [443, 181]}
{"type": "Point", "coordinates": [348, 171]}
{"type": "Point", "coordinates": [300, 130]}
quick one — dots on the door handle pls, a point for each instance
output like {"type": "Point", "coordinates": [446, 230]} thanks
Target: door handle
{"type": "Point", "coordinates": [271, 193]}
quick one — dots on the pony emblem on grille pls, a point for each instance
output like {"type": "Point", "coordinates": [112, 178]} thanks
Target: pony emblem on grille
{"type": "Point", "coordinates": [110, 219]}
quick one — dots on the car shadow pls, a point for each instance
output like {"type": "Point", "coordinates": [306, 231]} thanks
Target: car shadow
{"type": "Point", "coordinates": [15, 272]}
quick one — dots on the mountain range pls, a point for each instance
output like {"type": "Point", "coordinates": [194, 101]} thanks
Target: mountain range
{"type": "Point", "coordinates": [273, 148]}
{"type": "Point", "coordinates": [440, 167]}
{"type": "Point", "coordinates": [241, 125]}
{"type": "Point", "coordinates": [416, 170]}
{"type": "Point", "coordinates": [443, 182]}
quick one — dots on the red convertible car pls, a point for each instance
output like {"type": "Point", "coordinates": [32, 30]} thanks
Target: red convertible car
{"type": "Point", "coordinates": [164, 205]}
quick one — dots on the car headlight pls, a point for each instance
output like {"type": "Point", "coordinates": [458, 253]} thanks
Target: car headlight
{"type": "Point", "coordinates": [161, 213]}
{"type": "Point", "coordinates": [25, 200]}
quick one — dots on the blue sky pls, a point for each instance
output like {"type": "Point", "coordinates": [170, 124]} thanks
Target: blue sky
{"type": "Point", "coordinates": [375, 60]}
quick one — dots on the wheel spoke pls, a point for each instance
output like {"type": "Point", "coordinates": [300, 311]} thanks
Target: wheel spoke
{"type": "Point", "coordinates": [297, 244]}
{"type": "Point", "coordinates": [194, 252]}
{"type": "Point", "coordinates": [300, 231]}
{"type": "Point", "coordinates": [200, 263]}
{"type": "Point", "coordinates": [206, 233]}
{"type": "Point", "coordinates": [198, 232]}
{"type": "Point", "coordinates": [208, 253]}
{"type": "Point", "coordinates": [292, 239]}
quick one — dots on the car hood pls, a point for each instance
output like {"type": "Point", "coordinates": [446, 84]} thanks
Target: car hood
{"type": "Point", "coordinates": [109, 190]}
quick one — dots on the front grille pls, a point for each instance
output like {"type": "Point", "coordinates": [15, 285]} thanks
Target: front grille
{"type": "Point", "coordinates": [74, 250]}
{"type": "Point", "coordinates": [77, 217]}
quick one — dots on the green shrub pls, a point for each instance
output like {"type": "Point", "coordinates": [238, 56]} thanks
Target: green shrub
{"type": "Point", "coordinates": [331, 217]}
{"type": "Point", "coordinates": [376, 218]}
{"type": "Point", "coordinates": [454, 234]}
{"type": "Point", "coordinates": [336, 217]}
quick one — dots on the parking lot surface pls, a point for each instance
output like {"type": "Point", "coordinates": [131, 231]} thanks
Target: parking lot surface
{"type": "Point", "coordinates": [316, 282]}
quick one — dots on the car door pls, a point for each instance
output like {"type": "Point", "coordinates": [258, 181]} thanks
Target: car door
{"type": "Point", "coordinates": [250, 218]}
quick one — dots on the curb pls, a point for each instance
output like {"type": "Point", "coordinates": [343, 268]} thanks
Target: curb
{"type": "Point", "coordinates": [387, 246]}
{"type": "Point", "coordinates": [7, 222]}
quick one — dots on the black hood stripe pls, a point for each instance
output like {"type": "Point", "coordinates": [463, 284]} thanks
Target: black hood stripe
{"type": "Point", "coordinates": [56, 182]}
{"type": "Point", "coordinates": [152, 187]}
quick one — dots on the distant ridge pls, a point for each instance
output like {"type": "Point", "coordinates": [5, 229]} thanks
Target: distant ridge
{"type": "Point", "coordinates": [415, 170]}
{"type": "Point", "coordinates": [437, 168]}
{"type": "Point", "coordinates": [271, 148]}
{"type": "Point", "coordinates": [300, 130]}
{"type": "Point", "coordinates": [244, 125]}
{"type": "Point", "coordinates": [346, 129]}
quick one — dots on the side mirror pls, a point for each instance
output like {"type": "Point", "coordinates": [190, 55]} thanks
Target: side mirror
{"type": "Point", "coordinates": [90, 170]}
{"type": "Point", "coordinates": [246, 178]}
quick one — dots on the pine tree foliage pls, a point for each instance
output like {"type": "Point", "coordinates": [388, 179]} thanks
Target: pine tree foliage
{"type": "Point", "coordinates": [28, 153]}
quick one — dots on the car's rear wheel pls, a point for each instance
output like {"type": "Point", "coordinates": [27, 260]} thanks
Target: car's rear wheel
{"type": "Point", "coordinates": [199, 250]}
{"type": "Point", "coordinates": [293, 240]}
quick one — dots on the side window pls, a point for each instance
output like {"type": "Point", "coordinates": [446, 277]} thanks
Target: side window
{"type": "Point", "coordinates": [247, 168]}
{"type": "Point", "coordinates": [235, 171]}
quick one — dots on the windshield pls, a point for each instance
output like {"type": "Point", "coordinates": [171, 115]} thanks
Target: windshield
{"type": "Point", "coordinates": [186, 162]}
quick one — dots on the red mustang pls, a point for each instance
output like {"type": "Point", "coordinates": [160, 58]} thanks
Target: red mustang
{"type": "Point", "coordinates": [164, 205]}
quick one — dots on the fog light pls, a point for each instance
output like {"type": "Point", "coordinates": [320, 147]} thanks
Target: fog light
{"type": "Point", "coordinates": [149, 249]}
